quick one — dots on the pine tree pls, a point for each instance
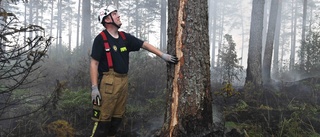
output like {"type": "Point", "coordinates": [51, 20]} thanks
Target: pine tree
{"type": "Point", "coordinates": [229, 60]}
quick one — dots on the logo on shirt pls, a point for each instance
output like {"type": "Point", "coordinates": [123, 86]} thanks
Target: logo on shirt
{"type": "Point", "coordinates": [115, 48]}
{"type": "Point", "coordinates": [123, 49]}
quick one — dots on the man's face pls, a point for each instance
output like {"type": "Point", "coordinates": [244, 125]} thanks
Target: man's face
{"type": "Point", "coordinates": [116, 18]}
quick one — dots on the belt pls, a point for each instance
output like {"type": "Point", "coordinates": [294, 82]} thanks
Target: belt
{"type": "Point", "coordinates": [112, 72]}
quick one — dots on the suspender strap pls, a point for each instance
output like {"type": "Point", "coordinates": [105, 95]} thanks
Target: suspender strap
{"type": "Point", "coordinates": [107, 48]}
{"type": "Point", "coordinates": [122, 35]}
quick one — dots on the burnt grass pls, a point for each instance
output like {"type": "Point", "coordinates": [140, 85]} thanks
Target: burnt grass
{"type": "Point", "coordinates": [281, 109]}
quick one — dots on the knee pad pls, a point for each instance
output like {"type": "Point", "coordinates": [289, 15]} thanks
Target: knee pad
{"type": "Point", "coordinates": [115, 124]}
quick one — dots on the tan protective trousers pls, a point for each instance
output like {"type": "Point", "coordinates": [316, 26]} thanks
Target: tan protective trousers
{"type": "Point", "coordinates": [114, 92]}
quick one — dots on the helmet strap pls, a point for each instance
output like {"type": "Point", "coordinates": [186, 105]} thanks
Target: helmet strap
{"type": "Point", "coordinates": [113, 22]}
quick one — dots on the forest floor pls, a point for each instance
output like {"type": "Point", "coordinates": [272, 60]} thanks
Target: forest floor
{"type": "Point", "coordinates": [284, 109]}
{"type": "Point", "coordinates": [287, 109]}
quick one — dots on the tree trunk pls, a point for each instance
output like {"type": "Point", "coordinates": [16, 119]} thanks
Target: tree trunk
{"type": "Point", "coordinates": [293, 34]}
{"type": "Point", "coordinates": [189, 104]}
{"type": "Point", "coordinates": [283, 48]}
{"type": "Point", "coordinates": [116, 3]}
{"type": "Point", "coordinates": [213, 28]}
{"type": "Point", "coordinates": [59, 27]}
{"type": "Point", "coordinates": [136, 19]}
{"type": "Point", "coordinates": [266, 13]}
{"type": "Point", "coordinates": [220, 33]}
{"type": "Point", "coordinates": [242, 35]}
{"type": "Point", "coordinates": [31, 17]}
{"type": "Point", "coordinates": [36, 4]}
{"type": "Point", "coordinates": [51, 24]}
{"type": "Point", "coordinates": [51, 19]}
{"type": "Point", "coordinates": [42, 11]}
{"type": "Point", "coordinates": [86, 25]}
{"type": "Point", "coordinates": [276, 42]}
{"type": "Point", "coordinates": [70, 27]}
{"type": "Point", "coordinates": [78, 23]}
{"type": "Point", "coordinates": [163, 29]}
{"type": "Point", "coordinates": [266, 69]}
{"type": "Point", "coordinates": [255, 43]}
{"type": "Point", "coordinates": [303, 35]}
{"type": "Point", "coordinates": [25, 22]}
{"type": "Point", "coordinates": [308, 47]}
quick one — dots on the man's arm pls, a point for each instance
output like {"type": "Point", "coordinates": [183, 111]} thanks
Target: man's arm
{"type": "Point", "coordinates": [95, 94]}
{"type": "Point", "coordinates": [166, 57]}
{"type": "Point", "coordinates": [94, 71]}
{"type": "Point", "coordinates": [149, 47]}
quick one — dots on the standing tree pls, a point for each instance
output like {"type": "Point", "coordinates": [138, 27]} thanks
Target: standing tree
{"type": "Point", "coordinates": [303, 34]}
{"type": "Point", "coordinates": [59, 27]}
{"type": "Point", "coordinates": [275, 62]}
{"type": "Point", "coordinates": [189, 107]}
{"type": "Point", "coordinates": [312, 47]}
{"type": "Point", "coordinates": [213, 29]}
{"type": "Point", "coordinates": [293, 33]}
{"type": "Point", "coordinates": [163, 27]}
{"type": "Point", "coordinates": [86, 27]}
{"type": "Point", "coordinates": [266, 69]}
{"type": "Point", "coordinates": [255, 43]}
{"type": "Point", "coordinates": [229, 61]}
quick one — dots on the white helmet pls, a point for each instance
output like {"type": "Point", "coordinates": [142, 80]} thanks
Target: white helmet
{"type": "Point", "coordinates": [105, 11]}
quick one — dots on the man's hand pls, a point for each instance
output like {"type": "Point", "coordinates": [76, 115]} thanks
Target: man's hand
{"type": "Point", "coordinates": [95, 95]}
{"type": "Point", "coordinates": [169, 58]}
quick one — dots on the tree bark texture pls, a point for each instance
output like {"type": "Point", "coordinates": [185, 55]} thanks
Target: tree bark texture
{"type": "Point", "coordinates": [266, 69]}
{"type": "Point", "coordinates": [189, 104]}
{"type": "Point", "coordinates": [255, 43]}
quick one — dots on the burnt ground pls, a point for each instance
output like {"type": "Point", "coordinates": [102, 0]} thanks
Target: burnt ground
{"type": "Point", "coordinates": [284, 109]}
{"type": "Point", "coordinates": [288, 109]}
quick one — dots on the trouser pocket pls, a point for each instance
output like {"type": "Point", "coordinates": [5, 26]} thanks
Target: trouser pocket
{"type": "Point", "coordinates": [107, 83]}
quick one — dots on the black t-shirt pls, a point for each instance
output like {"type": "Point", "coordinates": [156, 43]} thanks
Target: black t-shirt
{"type": "Point", "coordinates": [119, 51]}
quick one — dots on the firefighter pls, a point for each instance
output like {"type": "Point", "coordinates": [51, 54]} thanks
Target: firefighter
{"type": "Point", "coordinates": [109, 66]}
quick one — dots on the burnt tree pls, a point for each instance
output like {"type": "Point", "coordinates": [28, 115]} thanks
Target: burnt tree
{"type": "Point", "coordinates": [189, 104]}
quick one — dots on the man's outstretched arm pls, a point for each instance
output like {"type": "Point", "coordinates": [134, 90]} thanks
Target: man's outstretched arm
{"type": "Point", "coordinates": [164, 56]}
